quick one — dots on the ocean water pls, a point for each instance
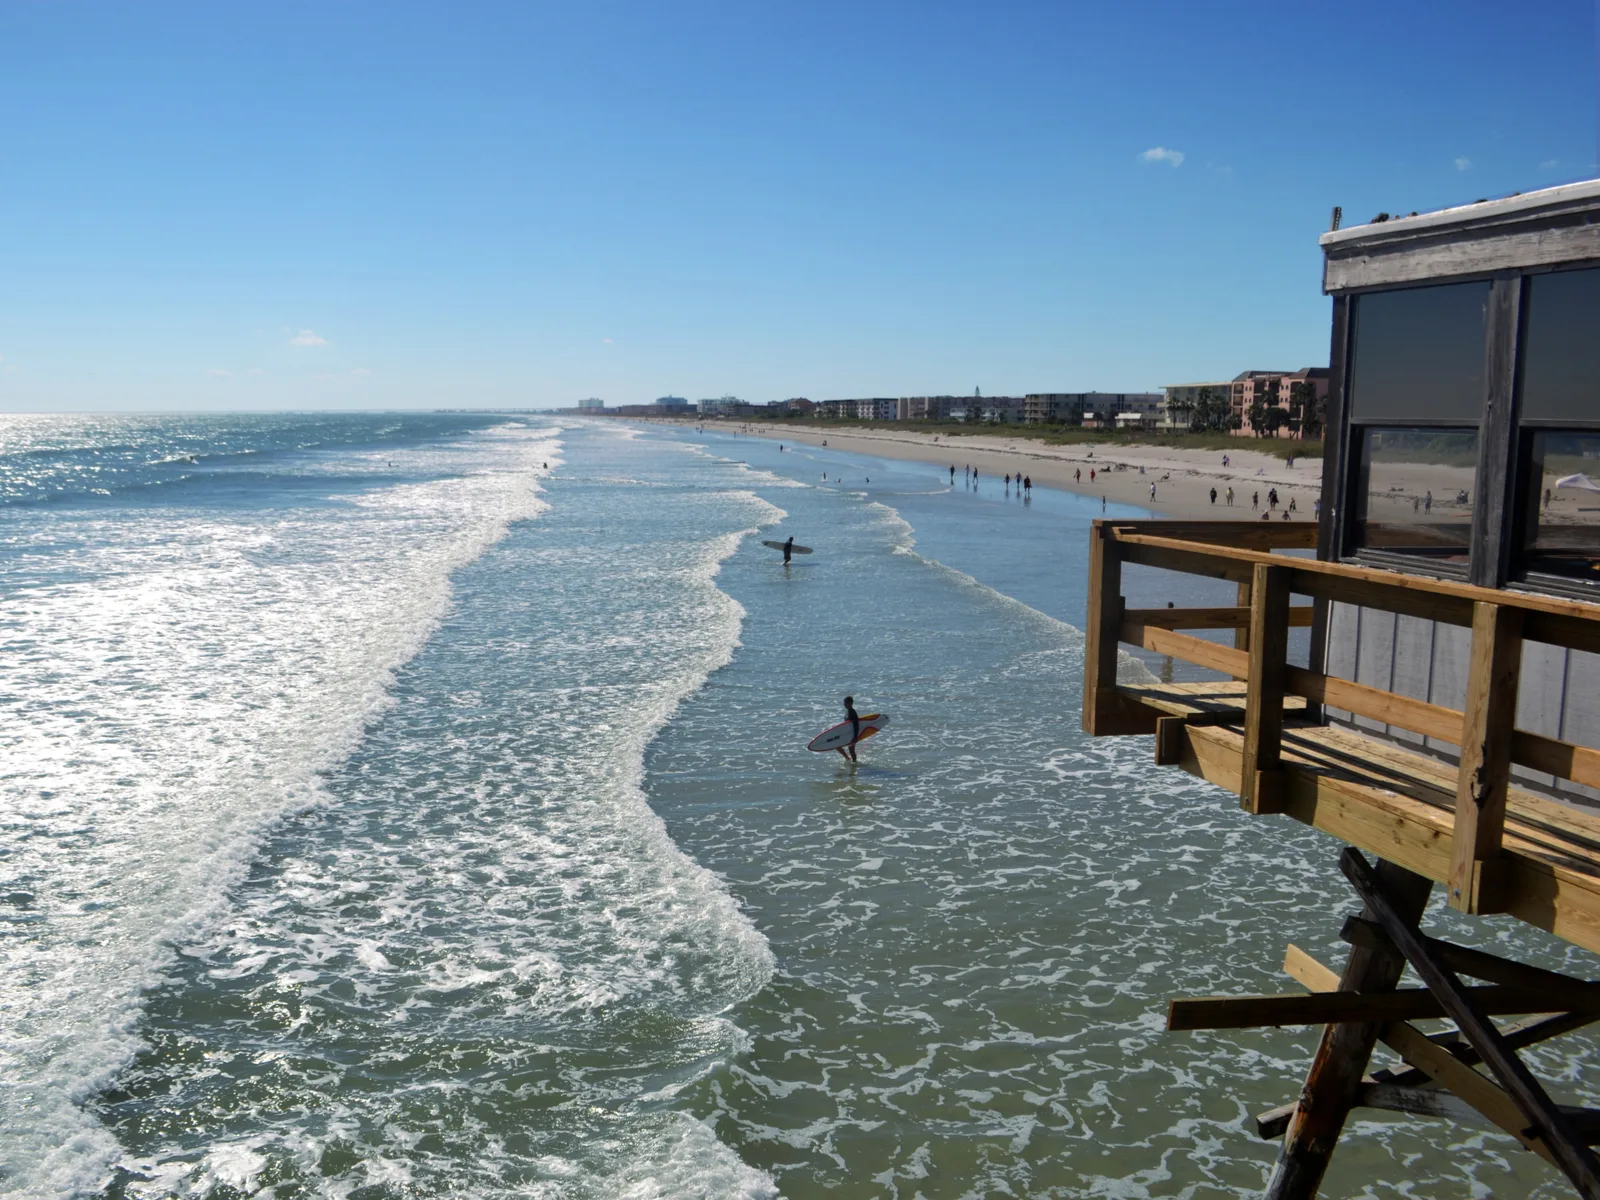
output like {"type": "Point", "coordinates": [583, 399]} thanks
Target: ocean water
{"type": "Point", "coordinates": [418, 806]}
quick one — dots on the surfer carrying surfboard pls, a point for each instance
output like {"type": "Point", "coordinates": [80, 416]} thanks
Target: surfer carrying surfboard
{"type": "Point", "coordinates": [788, 549]}
{"type": "Point", "coordinates": [855, 729]}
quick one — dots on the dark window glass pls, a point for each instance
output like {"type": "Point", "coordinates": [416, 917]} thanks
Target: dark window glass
{"type": "Point", "coordinates": [1562, 531]}
{"type": "Point", "coordinates": [1561, 348]}
{"type": "Point", "coordinates": [1418, 354]}
{"type": "Point", "coordinates": [1415, 489]}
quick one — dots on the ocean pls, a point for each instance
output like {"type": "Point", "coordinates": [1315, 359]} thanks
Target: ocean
{"type": "Point", "coordinates": [413, 805]}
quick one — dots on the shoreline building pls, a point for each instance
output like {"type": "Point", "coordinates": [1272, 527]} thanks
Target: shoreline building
{"type": "Point", "coordinates": [1071, 408]}
{"type": "Point", "coordinates": [1286, 402]}
{"type": "Point", "coordinates": [673, 404]}
{"type": "Point", "coordinates": [591, 405]}
{"type": "Point", "coordinates": [1425, 689]}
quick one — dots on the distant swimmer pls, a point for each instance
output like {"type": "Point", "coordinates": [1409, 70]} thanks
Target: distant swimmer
{"type": "Point", "coordinates": [855, 729]}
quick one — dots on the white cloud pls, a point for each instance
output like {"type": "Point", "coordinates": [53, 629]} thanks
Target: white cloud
{"type": "Point", "coordinates": [1550, 164]}
{"type": "Point", "coordinates": [257, 371]}
{"type": "Point", "coordinates": [607, 341]}
{"type": "Point", "coordinates": [306, 338]}
{"type": "Point", "coordinates": [219, 372]}
{"type": "Point", "coordinates": [1160, 154]}
{"type": "Point", "coordinates": [1463, 163]}
{"type": "Point", "coordinates": [362, 371]}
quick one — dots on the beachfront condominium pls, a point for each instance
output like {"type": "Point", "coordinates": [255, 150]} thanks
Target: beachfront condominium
{"type": "Point", "coordinates": [590, 405]}
{"type": "Point", "coordinates": [1283, 404]}
{"type": "Point", "coordinates": [1069, 408]}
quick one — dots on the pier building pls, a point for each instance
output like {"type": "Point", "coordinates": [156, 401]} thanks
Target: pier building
{"type": "Point", "coordinates": [1417, 675]}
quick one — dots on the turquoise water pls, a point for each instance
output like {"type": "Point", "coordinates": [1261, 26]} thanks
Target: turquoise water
{"type": "Point", "coordinates": [419, 807]}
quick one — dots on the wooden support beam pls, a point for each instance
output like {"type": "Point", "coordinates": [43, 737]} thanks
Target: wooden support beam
{"type": "Point", "coordinates": [1574, 1158]}
{"type": "Point", "coordinates": [1476, 869]}
{"type": "Point", "coordinates": [1463, 960]}
{"type": "Point", "coordinates": [1104, 712]}
{"type": "Point", "coordinates": [1187, 1013]}
{"type": "Point", "coordinates": [1241, 636]}
{"type": "Point", "coordinates": [1262, 769]}
{"type": "Point", "coordinates": [1448, 1071]}
{"type": "Point", "coordinates": [1333, 1083]}
{"type": "Point", "coordinates": [1227, 617]}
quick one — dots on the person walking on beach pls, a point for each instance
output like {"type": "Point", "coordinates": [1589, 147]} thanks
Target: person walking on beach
{"type": "Point", "coordinates": [952, 474]}
{"type": "Point", "coordinates": [855, 728]}
{"type": "Point", "coordinates": [1152, 492]}
{"type": "Point", "coordinates": [1213, 496]}
{"type": "Point", "coordinates": [1027, 484]}
{"type": "Point", "coordinates": [1255, 500]}
{"type": "Point", "coordinates": [1091, 474]}
{"type": "Point", "coordinates": [1427, 504]}
{"type": "Point", "coordinates": [1230, 495]}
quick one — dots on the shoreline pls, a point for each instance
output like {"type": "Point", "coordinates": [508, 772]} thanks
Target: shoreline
{"type": "Point", "coordinates": [1183, 479]}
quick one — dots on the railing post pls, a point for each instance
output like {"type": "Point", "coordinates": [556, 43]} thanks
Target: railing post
{"type": "Point", "coordinates": [1104, 621]}
{"type": "Point", "coordinates": [1261, 774]}
{"type": "Point", "coordinates": [1241, 637]}
{"type": "Point", "coordinates": [1485, 774]}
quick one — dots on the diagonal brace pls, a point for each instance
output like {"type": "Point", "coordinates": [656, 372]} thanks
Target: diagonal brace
{"type": "Point", "coordinates": [1551, 1125]}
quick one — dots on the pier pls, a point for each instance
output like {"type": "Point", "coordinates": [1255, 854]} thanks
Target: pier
{"type": "Point", "coordinates": [1281, 738]}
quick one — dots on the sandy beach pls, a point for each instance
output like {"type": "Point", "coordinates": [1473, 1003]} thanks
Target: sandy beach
{"type": "Point", "coordinates": [1183, 479]}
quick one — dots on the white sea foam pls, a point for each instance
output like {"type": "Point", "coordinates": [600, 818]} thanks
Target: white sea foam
{"type": "Point", "coordinates": [163, 709]}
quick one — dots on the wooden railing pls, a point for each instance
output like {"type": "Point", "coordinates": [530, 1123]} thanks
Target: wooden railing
{"type": "Point", "coordinates": [1243, 553]}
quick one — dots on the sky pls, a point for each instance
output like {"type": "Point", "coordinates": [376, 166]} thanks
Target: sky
{"type": "Point", "coordinates": [245, 206]}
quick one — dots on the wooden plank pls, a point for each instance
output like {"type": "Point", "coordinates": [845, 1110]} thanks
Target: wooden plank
{"type": "Point", "coordinates": [1561, 629]}
{"type": "Point", "coordinates": [1243, 593]}
{"type": "Point", "coordinates": [1333, 1083]}
{"type": "Point", "coordinates": [1447, 1071]}
{"type": "Point", "coordinates": [1471, 1016]}
{"type": "Point", "coordinates": [1577, 763]}
{"type": "Point", "coordinates": [1389, 707]}
{"type": "Point", "coordinates": [1188, 557]}
{"type": "Point", "coordinates": [1438, 258]}
{"type": "Point", "coordinates": [1464, 960]}
{"type": "Point", "coordinates": [1485, 774]}
{"type": "Point", "coordinates": [1414, 595]}
{"type": "Point", "coordinates": [1258, 535]}
{"type": "Point", "coordinates": [1262, 768]}
{"type": "Point", "coordinates": [1306, 970]}
{"type": "Point", "coordinates": [1188, 1013]}
{"type": "Point", "coordinates": [1187, 647]}
{"type": "Point", "coordinates": [1227, 617]}
{"type": "Point", "coordinates": [1170, 741]}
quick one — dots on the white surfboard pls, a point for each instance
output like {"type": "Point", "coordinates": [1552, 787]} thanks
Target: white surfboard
{"type": "Point", "coordinates": [796, 549]}
{"type": "Point", "coordinates": [840, 735]}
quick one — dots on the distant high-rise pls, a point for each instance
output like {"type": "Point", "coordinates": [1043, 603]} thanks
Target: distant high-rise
{"type": "Point", "coordinates": [591, 403]}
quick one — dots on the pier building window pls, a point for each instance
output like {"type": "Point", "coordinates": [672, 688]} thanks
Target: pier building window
{"type": "Point", "coordinates": [1561, 349]}
{"type": "Point", "coordinates": [1561, 504]}
{"type": "Point", "coordinates": [1414, 491]}
{"type": "Point", "coordinates": [1418, 355]}
{"type": "Point", "coordinates": [1559, 463]}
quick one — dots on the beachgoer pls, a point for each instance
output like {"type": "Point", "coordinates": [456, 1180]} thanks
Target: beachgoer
{"type": "Point", "coordinates": [1091, 474]}
{"type": "Point", "coordinates": [1213, 495]}
{"type": "Point", "coordinates": [952, 475]}
{"type": "Point", "coordinates": [1027, 483]}
{"type": "Point", "coordinates": [855, 728]}
{"type": "Point", "coordinates": [1224, 460]}
{"type": "Point", "coordinates": [788, 549]}
{"type": "Point", "coordinates": [1547, 497]}
{"type": "Point", "coordinates": [1152, 491]}
{"type": "Point", "coordinates": [1102, 504]}
{"type": "Point", "coordinates": [1255, 499]}
{"type": "Point", "coordinates": [1230, 495]}
{"type": "Point", "coordinates": [1316, 508]}
{"type": "Point", "coordinates": [1427, 505]}
{"type": "Point", "coordinates": [1292, 508]}
{"type": "Point", "coordinates": [1077, 476]}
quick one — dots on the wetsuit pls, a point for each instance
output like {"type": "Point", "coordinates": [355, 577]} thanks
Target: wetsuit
{"type": "Point", "coordinates": [855, 730]}
{"type": "Point", "coordinates": [788, 549]}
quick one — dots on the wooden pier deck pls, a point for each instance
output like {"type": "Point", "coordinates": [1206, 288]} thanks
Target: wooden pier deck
{"type": "Point", "coordinates": [1263, 732]}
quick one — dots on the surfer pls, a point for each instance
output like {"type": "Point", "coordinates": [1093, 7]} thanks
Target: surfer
{"type": "Point", "coordinates": [855, 729]}
{"type": "Point", "coordinates": [788, 549]}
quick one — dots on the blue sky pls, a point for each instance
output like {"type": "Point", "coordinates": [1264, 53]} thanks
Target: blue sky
{"type": "Point", "coordinates": [230, 206]}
